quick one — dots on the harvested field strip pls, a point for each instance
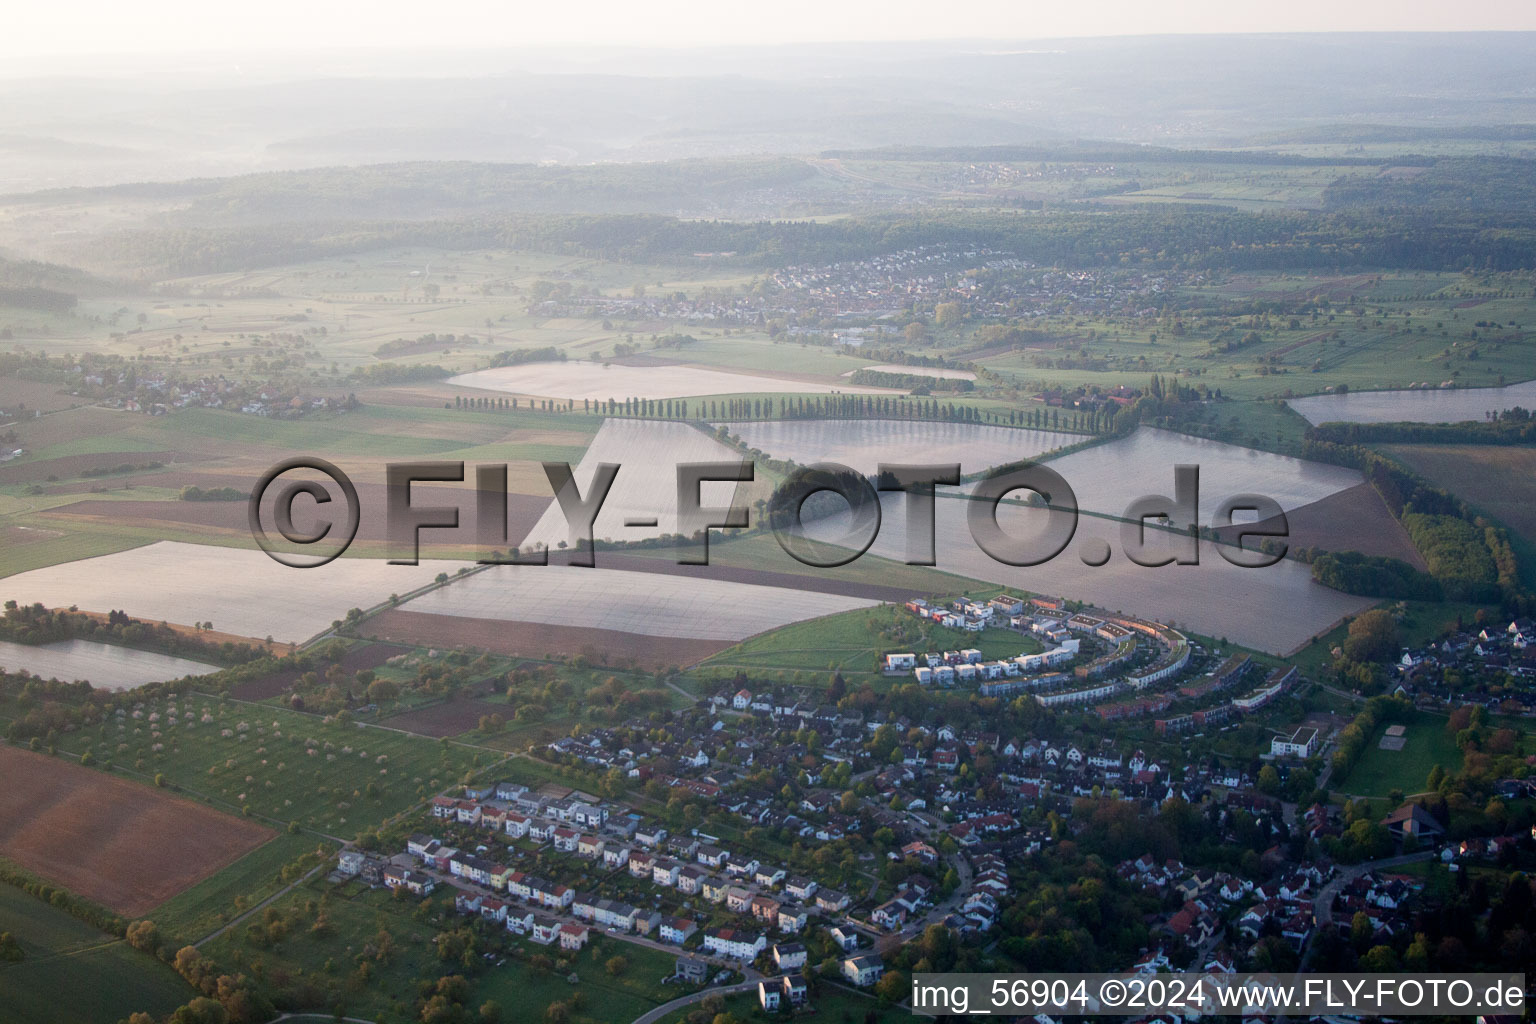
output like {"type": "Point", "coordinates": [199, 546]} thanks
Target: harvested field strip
{"type": "Point", "coordinates": [534, 640]}
{"type": "Point", "coordinates": [644, 603]}
{"type": "Point", "coordinates": [126, 846]}
{"type": "Point", "coordinates": [809, 579]}
{"type": "Point", "coordinates": [1355, 519]}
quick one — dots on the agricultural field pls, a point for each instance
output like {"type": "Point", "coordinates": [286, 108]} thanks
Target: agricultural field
{"type": "Point", "coordinates": [864, 444]}
{"type": "Point", "coordinates": [105, 665]}
{"type": "Point", "coordinates": [1497, 479]}
{"type": "Point", "coordinates": [646, 604]}
{"type": "Point", "coordinates": [648, 454]}
{"type": "Point", "coordinates": [578, 381]}
{"type": "Point", "coordinates": [1381, 770]}
{"type": "Point", "coordinates": [71, 972]}
{"type": "Point", "coordinates": [203, 908]}
{"type": "Point", "coordinates": [185, 583]}
{"type": "Point", "coordinates": [1427, 405]}
{"type": "Point", "coordinates": [121, 844]}
{"type": "Point", "coordinates": [276, 765]}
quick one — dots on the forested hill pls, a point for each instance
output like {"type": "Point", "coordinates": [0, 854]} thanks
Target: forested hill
{"type": "Point", "coordinates": [428, 190]}
{"type": "Point", "coordinates": [44, 286]}
{"type": "Point", "coordinates": [1164, 236]}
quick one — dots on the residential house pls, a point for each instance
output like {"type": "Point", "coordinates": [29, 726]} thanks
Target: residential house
{"type": "Point", "coordinates": [735, 943]}
{"type": "Point", "coordinates": [677, 930]}
{"type": "Point", "coordinates": [864, 970]}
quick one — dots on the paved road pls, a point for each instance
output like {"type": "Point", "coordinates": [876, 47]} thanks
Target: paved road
{"type": "Point", "coordinates": [694, 997]}
{"type": "Point", "coordinates": [1322, 907]}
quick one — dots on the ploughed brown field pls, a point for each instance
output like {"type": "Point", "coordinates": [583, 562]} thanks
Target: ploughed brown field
{"type": "Point", "coordinates": [1354, 519]}
{"type": "Point", "coordinates": [125, 845]}
{"type": "Point", "coordinates": [450, 718]}
{"type": "Point", "coordinates": [536, 639]}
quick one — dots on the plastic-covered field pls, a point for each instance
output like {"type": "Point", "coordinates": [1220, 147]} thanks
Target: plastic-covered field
{"type": "Point", "coordinates": [1426, 405]}
{"type": "Point", "coordinates": [1108, 477]}
{"type": "Point", "coordinates": [647, 453]}
{"type": "Point", "coordinates": [240, 591]}
{"type": "Point", "coordinates": [580, 381]}
{"type": "Point", "coordinates": [863, 444]}
{"type": "Point", "coordinates": [650, 604]}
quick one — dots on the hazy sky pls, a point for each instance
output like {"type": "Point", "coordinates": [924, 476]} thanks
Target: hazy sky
{"type": "Point", "coordinates": [77, 27]}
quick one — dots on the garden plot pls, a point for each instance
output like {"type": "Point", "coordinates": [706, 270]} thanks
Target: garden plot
{"type": "Point", "coordinates": [864, 444]}
{"type": "Point", "coordinates": [648, 453]}
{"type": "Point", "coordinates": [1108, 477]}
{"type": "Point", "coordinates": [648, 604]}
{"type": "Point", "coordinates": [1424, 405]}
{"type": "Point", "coordinates": [938, 372]}
{"type": "Point", "coordinates": [581, 381]}
{"type": "Point", "coordinates": [240, 591]}
{"type": "Point", "coordinates": [108, 667]}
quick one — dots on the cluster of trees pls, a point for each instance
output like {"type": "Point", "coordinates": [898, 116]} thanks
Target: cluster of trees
{"type": "Point", "coordinates": [36, 624]}
{"type": "Point", "coordinates": [519, 356]}
{"type": "Point", "coordinates": [1457, 554]}
{"type": "Point", "coordinates": [914, 382]}
{"type": "Point", "coordinates": [1374, 576]}
{"type": "Point", "coordinates": [1357, 734]}
{"type": "Point", "coordinates": [45, 299]}
{"type": "Point", "coordinates": [379, 374]}
{"type": "Point", "coordinates": [423, 343]}
{"type": "Point", "coordinates": [192, 492]}
{"type": "Point", "coordinates": [225, 998]}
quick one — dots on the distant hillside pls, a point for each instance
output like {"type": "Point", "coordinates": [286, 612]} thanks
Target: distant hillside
{"type": "Point", "coordinates": [29, 284]}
